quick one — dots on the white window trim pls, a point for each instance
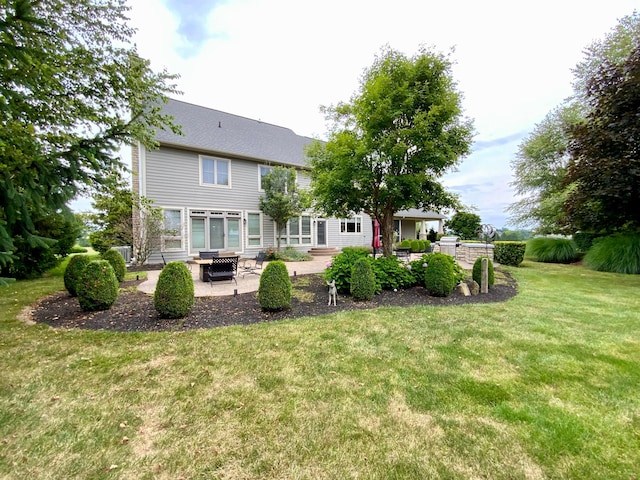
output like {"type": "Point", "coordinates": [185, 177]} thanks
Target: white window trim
{"type": "Point", "coordinates": [286, 238]}
{"type": "Point", "coordinates": [260, 167]}
{"type": "Point", "coordinates": [246, 229]}
{"type": "Point", "coordinates": [180, 237]}
{"type": "Point", "coordinates": [201, 171]}
{"type": "Point", "coordinates": [355, 217]}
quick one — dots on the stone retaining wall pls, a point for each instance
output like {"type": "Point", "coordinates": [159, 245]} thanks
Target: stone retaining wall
{"type": "Point", "coordinates": [469, 252]}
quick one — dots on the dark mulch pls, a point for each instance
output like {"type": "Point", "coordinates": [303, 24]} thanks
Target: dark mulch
{"type": "Point", "coordinates": [134, 312]}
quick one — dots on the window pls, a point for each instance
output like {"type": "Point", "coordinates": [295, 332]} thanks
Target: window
{"type": "Point", "coordinates": [254, 229]}
{"type": "Point", "coordinates": [351, 225]}
{"type": "Point", "coordinates": [297, 231]}
{"type": "Point", "coordinates": [215, 230]}
{"type": "Point", "coordinates": [215, 171]}
{"type": "Point", "coordinates": [262, 171]}
{"type": "Point", "coordinates": [172, 235]}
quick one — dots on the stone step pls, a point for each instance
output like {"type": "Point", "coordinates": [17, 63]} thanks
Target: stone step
{"type": "Point", "coordinates": [324, 251]}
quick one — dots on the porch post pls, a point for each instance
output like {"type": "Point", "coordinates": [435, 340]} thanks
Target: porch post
{"type": "Point", "coordinates": [423, 230]}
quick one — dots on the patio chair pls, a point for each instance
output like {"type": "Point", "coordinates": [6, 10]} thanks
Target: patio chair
{"type": "Point", "coordinates": [257, 265]}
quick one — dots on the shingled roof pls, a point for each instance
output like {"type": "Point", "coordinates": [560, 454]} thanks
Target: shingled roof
{"type": "Point", "coordinates": [212, 131]}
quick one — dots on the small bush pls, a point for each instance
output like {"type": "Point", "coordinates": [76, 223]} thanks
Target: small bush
{"type": "Point", "coordinates": [391, 273]}
{"type": "Point", "coordinates": [363, 282]}
{"type": "Point", "coordinates": [416, 246]}
{"type": "Point", "coordinates": [288, 254]}
{"type": "Point", "coordinates": [98, 286]}
{"type": "Point", "coordinates": [476, 273]}
{"type": "Point", "coordinates": [426, 246]}
{"type": "Point", "coordinates": [73, 273]}
{"type": "Point", "coordinates": [509, 253]}
{"type": "Point", "coordinates": [341, 265]}
{"type": "Point", "coordinates": [418, 268]}
{"type": "Point", "coordinates": [406, 243]}
{"type": "Point", "coordinates": [439, 277]}
{"type": "Point", "coordinates": [432, 236]}
{"type": "Point", "coordinates": [116, 260]}
{"type": "Point", "coordinates": [274, 292]}
{"type": "Point", "coordinates": [552, 250]}
{"type": "Point", "coordinates": [174, 295]}
{"type": "Point", "coordinates": [618, 253]}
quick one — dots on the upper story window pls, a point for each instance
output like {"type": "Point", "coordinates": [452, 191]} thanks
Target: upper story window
{"type": "Point", "coordinates": [215, 171]}
{"type": "Point", "coordinates": [262, 171]}
{"type": "Point", "coordinates": [351, 225]}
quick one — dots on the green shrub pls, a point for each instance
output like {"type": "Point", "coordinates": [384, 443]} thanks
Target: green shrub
{"type": "Point", "coordinates": [439, 278]}
{"type": "Point", "coordinates": [418, 268]}
{"type": "Point", "coordinates": [416, 246]}
{"type": "Point", "coordinates": [619, 253]}
{"type": "Point", "coordinates": [476, 273]}
{"type": "Point", "coordinates": [339, 269]}
{"type": "Point", "coordinates": [73, 273]}
{"type": "Point", "coordinates": [116, 260]}
{"type": "Point", "coordinates": [274, 292]}
{"type": "Point", "coordinates": [363, 281]}
{"type": "Point", "coordinates": [78, 249]}
{"type": "Point", "coordinates": [391, 273]}
{"type": "Point", "coordinates": [406, 243]}
{"type": "Point", "coordinates": [98, 286]}
{"type": "Point", "coordinates": [288, 254]}
{"type": "Point", "coordinates": [174, 295]}
{"type": "Point", "coordinates": [551, 250]}
{"type": "Point", "coordinates": [432, 236]}
{"type": "Point", "coordinates": [426, 245]}
{"type": "Point", "coordinates": [584, 240]}
{"type": "Point", "coordinates": [509, 253]}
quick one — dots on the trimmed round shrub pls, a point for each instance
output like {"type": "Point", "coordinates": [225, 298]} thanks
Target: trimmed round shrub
{"type": "Point", "coordinates": [98, 286]}
{"type": "Point", "coordinates": [341, 265]}
{"type": "Point", "coordinates": [619, 253]}
{"type": "Point", "coordinates": [363, 281]}
{"type": "Point", "coordinates": [274, 292]}
{"type": "Point", "coordinates": [509, 253]}
{"type": "Point", "coordinates": [73, 271]}
{"type": "Point", "coordinates": [174, 295]}
{"type": "Point", "coordinates": [439, 278]}
{"type": "Point", "coordinates": [552, 250]}
{"type": "Point", "coordinates": [116, 260]}
{"type": "Point", "coordinates": [416, 246]}
{"type": "Point", "coordinates": [477, 271]}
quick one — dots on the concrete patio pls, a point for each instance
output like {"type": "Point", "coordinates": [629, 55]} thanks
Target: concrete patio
{"type": "Point", "coordinates": [249, 282]}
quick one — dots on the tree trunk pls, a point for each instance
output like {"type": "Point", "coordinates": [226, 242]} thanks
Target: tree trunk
{"type": "Point", "coordinates": [386, 226]}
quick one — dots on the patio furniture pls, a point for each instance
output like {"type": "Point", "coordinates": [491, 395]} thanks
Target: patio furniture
{"type": "Point", "coordinates": [257, 265]}
{"type": "Point", "coordinates": [207, 255]}
{"type": "Point", "coordinates": [403, 253]}
{"type": "Point", "coordinates": [221, 268]}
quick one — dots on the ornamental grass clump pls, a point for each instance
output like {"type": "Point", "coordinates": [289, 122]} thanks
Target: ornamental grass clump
{"type": "Point", "coordinates": [552, 250]}
{"type": "Point", "coordinates": [275, 290]}
{"type": "Point", "coordinates": [174, 295]}
{"type": "Point", "coordinates": [116, 260]}
{"type": "Point", "coordinates": [363, 280]}
{"type": "Point", "coordinates": [98, 286]}
{"type": "Point", "coordinates": [439, 277]}
{"type": "Point", "coordinates": [477, 271]}
{"type": "Point", "coordinates": [73, 271]}
{"type": "Point", "coordinates": [618, 253]}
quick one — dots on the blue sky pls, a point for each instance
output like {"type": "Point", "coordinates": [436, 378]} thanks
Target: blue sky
{"type": "Point", "coordinates": [280, 60]}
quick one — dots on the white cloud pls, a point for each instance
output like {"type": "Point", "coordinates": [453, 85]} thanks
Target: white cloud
{"type": "Point", "coordinates": [279, 60]}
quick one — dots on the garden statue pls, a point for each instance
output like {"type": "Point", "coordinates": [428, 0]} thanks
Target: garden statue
{"type": "Point", "coordinates": [333, 292]}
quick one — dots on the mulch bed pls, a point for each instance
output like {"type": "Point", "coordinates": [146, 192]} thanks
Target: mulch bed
{"type": "Point", "coordinates": [134, 311]}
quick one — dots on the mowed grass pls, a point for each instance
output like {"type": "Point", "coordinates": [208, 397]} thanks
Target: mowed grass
{"type": "Point", "coordinates": [546, 385]}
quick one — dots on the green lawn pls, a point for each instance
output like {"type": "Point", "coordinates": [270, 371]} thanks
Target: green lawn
{"type": "Point", "coordinates": [546, 385]}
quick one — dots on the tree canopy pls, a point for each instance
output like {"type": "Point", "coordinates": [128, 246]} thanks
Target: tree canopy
{"type": "Point", "coordinates": [604, 170]}
{"type": "Point", "coordinates": [393, 141]}
{"type": "Point", "coordinates": [465, 225]}
{"type": "Point", "coordinates": [282, 200]}
{"type": "Point", "coordinates": [72, 90]}
{"type": "Point", "coordinates": [541, 165]}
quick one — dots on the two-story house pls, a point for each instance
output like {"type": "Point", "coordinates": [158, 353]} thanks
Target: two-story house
{"type": "Point", "coordinates": [209, 181]}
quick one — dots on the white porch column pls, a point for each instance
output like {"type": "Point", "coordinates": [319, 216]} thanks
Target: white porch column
{"type": "Point", "coordinates": [423, 230]}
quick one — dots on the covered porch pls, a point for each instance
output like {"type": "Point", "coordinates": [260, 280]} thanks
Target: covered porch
{"type": "Point", "coordinates": [412, 223]}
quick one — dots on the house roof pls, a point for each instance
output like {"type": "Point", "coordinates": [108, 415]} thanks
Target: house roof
{"type": "Point", "coordinates": [216, 132]}
{"type": "Point", "coordinates": [415, 214]}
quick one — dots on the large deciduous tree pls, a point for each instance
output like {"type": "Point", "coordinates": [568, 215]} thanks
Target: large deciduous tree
{"type": "Point", "coordinates": [72, 90]}
{"type": "Point", "coordinates": [465, 225]}
{"type": "Point", "coordinates": [392, 142]}
{"type": "Point", "coordinates": [605, 151]}
{"type": "Point", "coordinates": [282, 199]}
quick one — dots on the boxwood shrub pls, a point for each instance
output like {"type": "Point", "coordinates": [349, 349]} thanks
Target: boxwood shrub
{"type": "Point", "coordinates": [116, 260]}
{"type": "Point", "coordinates": [341, 265]}
{"type": "Point", "coordinates": [509, 253]}
{"type": "Point", "coordinates": [98, 286]}
{"type": "Point", "coordinates": [73, 271]}
{"type": "Point", "coordinates": [439, 278]}
{"type": "Point", "coordinates": [476, 273]}
{"type": "Point", "coordinates": [363, 281]}
{"type": "Point", "coordinates": [174, 295]}
{"type": "Point", "coordinates": [274, 291]}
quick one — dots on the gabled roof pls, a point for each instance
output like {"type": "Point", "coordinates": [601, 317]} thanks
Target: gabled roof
{"type": "Point", "coordinates": [215, 132]}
